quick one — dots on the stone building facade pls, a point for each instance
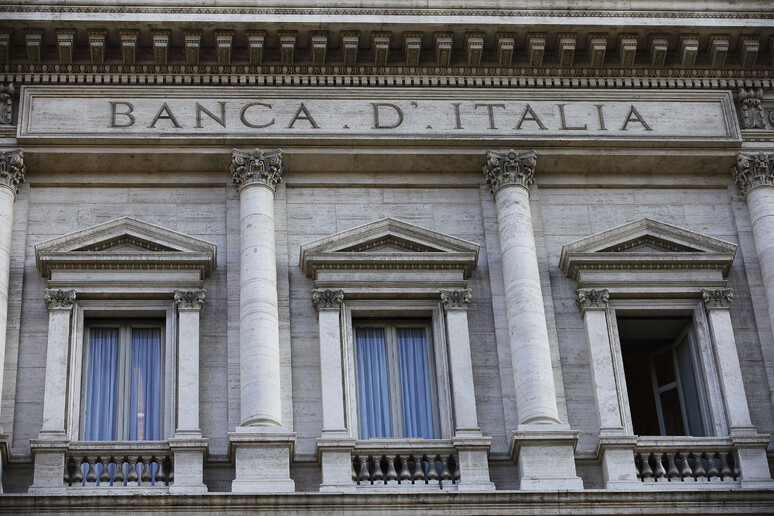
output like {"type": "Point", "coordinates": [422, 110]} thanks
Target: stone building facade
{"type": "Point", "coordinates": [384, 256]}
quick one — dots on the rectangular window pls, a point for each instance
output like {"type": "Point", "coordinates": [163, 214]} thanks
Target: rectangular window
{"type": "Point", "coordinates": [662, 377]}
{"type": "Point", "coordinates": [123, 381]}
{"type": "Point", "coordinates": [396, 379]}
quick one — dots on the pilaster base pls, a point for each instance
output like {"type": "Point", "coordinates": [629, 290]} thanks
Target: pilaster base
{"type": "Point", "coordinates": [49, 463]}
{"type": "Point", "coordinates": [473, 456]}
{"type": "Point", "coordinates": [335, 457]}
{"type": "Point", "coordinates": [753, 463]}
{"type": "Point", "coordinates": [616, 455]}
{"type": "Point", "coordinates": [189, 452]}
{"type": "Point", "coordinates": [545, 457]}
{"type": "Point", "coordinates": [262, 460]}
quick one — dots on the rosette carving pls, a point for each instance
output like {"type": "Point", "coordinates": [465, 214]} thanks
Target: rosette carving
{"type": "Point", "coordinates": [264, 167]}
{"type": "Point", "coordinates": [509, 168]}
{"type": "Point", "coordinates": [752, 171]}
{"type": "Point", "coordinates": [12, 169]}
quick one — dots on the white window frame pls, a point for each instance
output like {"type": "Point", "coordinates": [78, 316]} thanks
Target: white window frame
{"type": "Point", "coordinates": [705, 367]}
{"type": "Point", "coordinates": [397, 310]}
{"type": "Point", "coordinates": [122, 310]}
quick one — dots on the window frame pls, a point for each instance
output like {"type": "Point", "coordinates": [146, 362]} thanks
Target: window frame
{"type": "Point", "coordinates": [395, 310]}
{"type": "Point", "coordinates": [393, 367]}
{"type": "Point", "coordinates": [702, 349]}
{"type": "Point", "coordinates": [125, 327]}
{"type": "Point", "coordinates": [121, 310]}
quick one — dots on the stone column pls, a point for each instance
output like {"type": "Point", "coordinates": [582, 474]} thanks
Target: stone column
{"type": "Point", "coordinates": [188, 445]}
{"type": "Point", "coordinates": [49, 449]}
{"type": "Point", "coordinates": [334, 448]}
{"type": "Point", "coordinates": [510, 174]}
{"type": "Point", "coordinates": [472, 447]}
{"type": "Point", "coordinates": [12, 171]}
{"type": "Point", "coordinates": [262, 446]}
{"type": "Point", "coordinates": [751, 451]}
{"type": "Point", "coordinates": [615, 448]}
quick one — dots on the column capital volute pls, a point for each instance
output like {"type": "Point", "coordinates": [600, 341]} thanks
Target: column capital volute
{"type": "Point", "coordinates": [12, 169]}
{"type": "Point", "coordinates": [509, 168]}
{"type": "Point", "coordinates": [58, 299]}
{"type": "Point", "coordinates": [456, 299]}
{"type": "Point", "coordinates": [187, 300]}
{"type": "Point", "coordinates": [256, 167]}
{"type": "Point", "coordinates": [591, 299]}
{"type": "Point", "coordinates": [753, 170]}
{"type": "Point", "coordinates": [327, 299]}
{"type": "Point", "coordinates": [717, 298]}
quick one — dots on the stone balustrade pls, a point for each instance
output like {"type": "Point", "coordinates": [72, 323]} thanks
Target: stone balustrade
{"type": "Point", "coordinates": [145, 464]}
{"type": "Point", "coordinates": [688, 460]}
{"type": "Point", "coordinates": [410, 463]}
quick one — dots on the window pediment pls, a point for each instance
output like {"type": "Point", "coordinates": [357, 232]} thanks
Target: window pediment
{"type": "Point", "coordinates": [645, 247]}
{"type": "Point", "coordinates": [388, 244]}
{"type": "Point", "coordinates": [125, 244]}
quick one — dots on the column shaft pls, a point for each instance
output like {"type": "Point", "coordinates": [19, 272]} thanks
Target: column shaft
{"type": "Point", "coordinates": [602, 375]}
{"type": "Point", "coordinates": [331, 371]}
{"type": "Point", "coordinates": [7, 196]}
{"type": "Point", "coordinates": [760, 204]}
{"type": "Point", "coordinates": [189, 305]}
{"type": "Point", "coordinates": [54, 395]}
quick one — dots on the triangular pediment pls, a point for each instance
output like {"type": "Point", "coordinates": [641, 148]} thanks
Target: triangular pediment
{"type": "Point", "coordinates": [125, 241]}
{"type": "Point", "coordinates": [388, 241]}
{"type": "Point", "coordinates": [643, 244]}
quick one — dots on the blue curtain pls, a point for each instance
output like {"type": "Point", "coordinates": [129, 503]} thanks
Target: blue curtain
{"type": "Point", "coordinates": [102, 385]}
{"type": "Point", "coordinates": [145, 386]}
{"type": "Point", "coordinates": [373, 386]}
{"type": "Point", "coordinates": [415, 383]}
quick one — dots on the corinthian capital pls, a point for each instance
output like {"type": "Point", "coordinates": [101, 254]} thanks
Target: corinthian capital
{"type": "Point", "coordinates": [591, 299]}
{"type": "Point", "coordinates": [262, 167]}
{"type": "Point", "coordinates": [59, 299]}
{"type": "Point", "coordinates": [189, 299]}
{"type": "Point", "coordinates": [327, 299]}
{"type": "Point", "coordinates": [752, 171]}
{"type": "Point", "coordinates": [717, 297]}
{"type": "Point", "coordinates": [12, 169]}
{"type": "Point", "coordinates": [509, 168]}
{"type": "Point", "coordinates": [456, 298]}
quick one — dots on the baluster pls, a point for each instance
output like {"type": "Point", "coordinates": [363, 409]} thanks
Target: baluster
{"type": "Point", "coordinates": [104, 476]}
{"type": "Point", "coordinates": [725, 470]}
{"type": "Point", "coordinates": [685, 467]}
{"type": "Point", "coordinates": [698, 467]}
{"type": "Point", "coordinates": [457, 473]}
{"type": "Point", "coordinates": [352, 465]}
{"type": "Point", "coordinates": [78, 474]}
{"type": "Point", "coordinates": [378, 474]}
{"type": "Point", "coordinates": [118, 475]}
{"type": "Point", "coordinates": [91, 476]}
{"type": "Point", "coordinates": [171, 471]}
{"type": "Point", "coordinates": [161, 475]}
{"type": "Point", "coordinates": [736, 470]}
{"type": "Point", "coordinates": [672, 471]}
{"type": "Point", "coordinates": [364, 476]}
{"type": "Point", "coordinates": [637, 465]}
{"type": "Point", "coordinates": [68, 465]}
{"type": "Point", "coordinates": [405, 475]}
{"type": "Point", "coordinates": [646, 471]}
{"type": "Point", "coordinates": [419, 470]}
{"type": "Point", "coordinates": [146, 470]}
{"type": "Point", "coordinates": [712, 471]}
{"type": "Point", "coordinates": [445, 473]}
{"type": "Point", "coordinates": [132, 475]}
{"type": "Point", "coordinates": [391, 473]}
{"type": "Point", "coordinates": [659, 472]}
{"type": "Point", "coordinates": [168, 471]}
{"type": "Point", "coordinates": [432, 471]}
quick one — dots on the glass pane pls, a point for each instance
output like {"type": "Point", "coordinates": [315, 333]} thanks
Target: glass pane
{"type": "Point", "coordinates": [690, 389]}
{"type": "Point", "coordinates": [673, 416]}
{"type": "Point", "coordinates": [415, 383]}
{"type": "Point", "coordinates": [145, 387]}
{"type": "Point", "coordinates": [665, 368]}
{"type": "Point", "coordinates": [102, 385]}
{"type": "Point", "coordinates": [373, 386]}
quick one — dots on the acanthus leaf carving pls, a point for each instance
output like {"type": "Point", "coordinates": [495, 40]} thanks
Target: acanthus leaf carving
{"type": "Point", "coordinates": [591, 299]}
{"type": "Point", "coordinates": [190, 299]}
{"type": "Point", "coordinates": [752, 171]}
{"type": "Point", "coordinates": [59, 299]}
{"type": "Point", "coordinates": [6, 104]}
{"type": "Point", "coordinates": [12, 169]}
{"type": "Point", "coordinates": [717, 297]}
{"type": "Point", "coordinates": [509, 168]}
{"type": "Point", "coordinates": [456, 298]}
{"type": "Point", "coordinates": [262, 167]}
{"type": "Point", "coordinates": [327, 299]}
{"type": "Point", "coordinates": [753, 115]}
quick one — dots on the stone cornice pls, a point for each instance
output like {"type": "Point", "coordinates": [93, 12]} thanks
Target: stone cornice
{"type": "Point", "coordinates": [456, 299]}
{"type": "Point", "coordinates": [256, 167]}
{"type": "Point", "coordinates": [327, 299]}
{"type": "Point", "coordinates": [591, 299]}
{"type": "Point", "coordinates": [717, 297]}
{"type": "Point", "coordinates": [59, 299]}
{"type": "Point", "coordinates": [509, 168]}
{"type": "Point", "coordinates": [12, 169]}
{"type": "Point", "coordinates": [189, 299]}
{"type": "Point", "coordinates": [753, 170]}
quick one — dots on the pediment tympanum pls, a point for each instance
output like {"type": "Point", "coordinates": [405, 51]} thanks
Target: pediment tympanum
{"type": "Point", "coordinates": [125, 244]}
{"type": "Point", "coordinates": [647, 252]}
{"type": "Point", "coordinates": [389, 244]}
